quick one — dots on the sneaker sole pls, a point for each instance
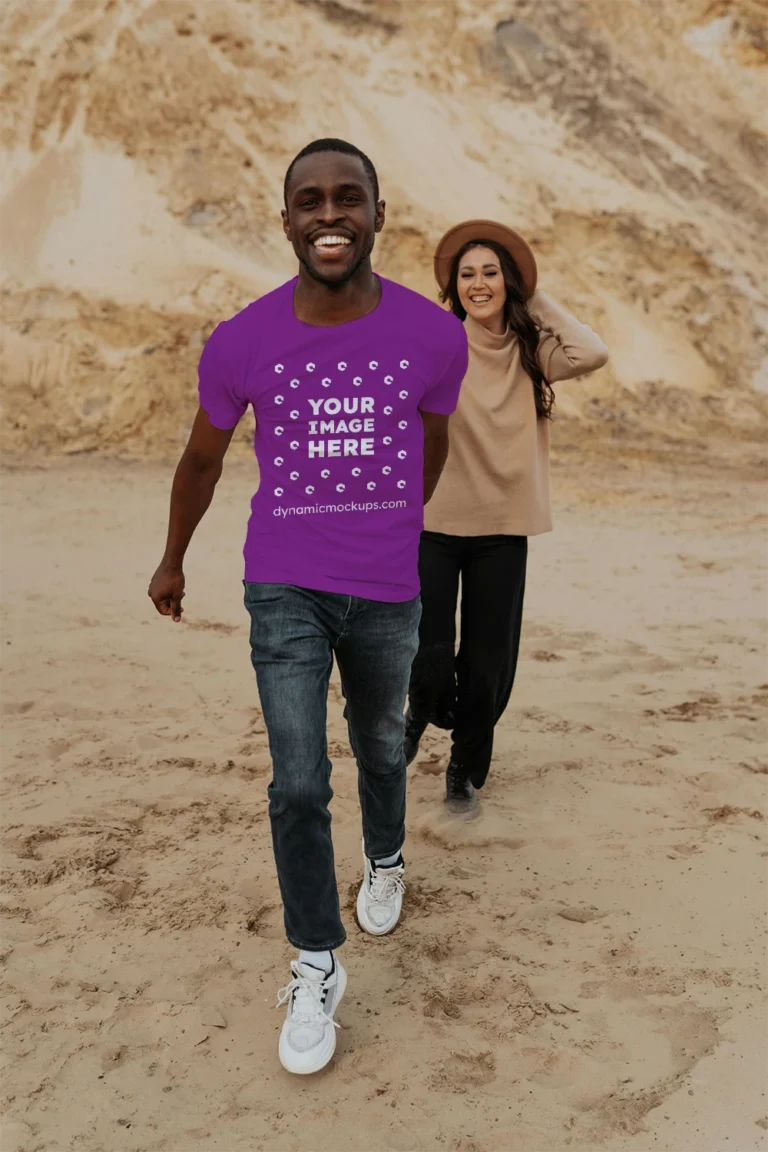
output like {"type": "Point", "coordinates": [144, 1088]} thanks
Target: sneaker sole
{"type": "Point", "coordinates": [320, 1056]}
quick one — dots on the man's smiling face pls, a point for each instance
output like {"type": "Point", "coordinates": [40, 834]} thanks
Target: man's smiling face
{"type": "Point", "coordinates": [331, 217]}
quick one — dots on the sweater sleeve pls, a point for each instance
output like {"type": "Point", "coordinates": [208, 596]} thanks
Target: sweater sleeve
{"type": "Point", "coordinates": [569, 348]}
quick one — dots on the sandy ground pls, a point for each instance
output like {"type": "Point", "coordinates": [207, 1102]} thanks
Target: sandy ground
{"type": "Point", "coordinates": [580, 967]}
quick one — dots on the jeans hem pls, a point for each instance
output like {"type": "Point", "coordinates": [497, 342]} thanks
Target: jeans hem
{"type": "Point", "coordinates": [303, 946]}
{"type": "Point", "coordinates": [386, 855]}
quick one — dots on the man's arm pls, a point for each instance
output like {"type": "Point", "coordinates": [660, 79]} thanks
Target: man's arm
{"type": "Point", "coordinates": [196, 478]}
{"type": "Point", "coordinates": [435, 450]}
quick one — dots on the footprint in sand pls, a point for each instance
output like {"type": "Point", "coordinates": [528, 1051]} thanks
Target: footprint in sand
{"type": "Point", "coordinates": [730, 812]}
{"type": "Point", "coordinates": [582, 915]}
{"type": "Point", "coordinates": [462, 1071]}
{"type": "Point", "coordinates": [756, 766]}
{"type": "Point", "coordinates": [706, 707]}
{"type": "Point", "coordinates": [12, 709]}
{"type": "Point", "coordinates": [434, 767]}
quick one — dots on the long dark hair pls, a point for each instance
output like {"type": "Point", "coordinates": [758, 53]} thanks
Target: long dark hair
{"type": "Point", "coordinates": [518, 317]}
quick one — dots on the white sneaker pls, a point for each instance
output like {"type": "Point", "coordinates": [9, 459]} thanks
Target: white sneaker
{"type": "Point", "coordinates": [380, 899]}
{"type": "Point", "coordinates": [308, 1038]}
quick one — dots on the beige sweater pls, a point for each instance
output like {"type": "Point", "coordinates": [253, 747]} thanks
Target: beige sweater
{"type": "Point", "coordinates": [496, 479]}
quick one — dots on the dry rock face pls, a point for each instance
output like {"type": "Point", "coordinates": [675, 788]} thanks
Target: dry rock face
{"type": "Point", "coordinates": [145, 146]}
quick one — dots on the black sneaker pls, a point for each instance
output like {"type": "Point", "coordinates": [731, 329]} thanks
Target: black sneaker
{"type": "Point", "coordinates": [460, 796]}
{"type": "Point", "coordinates": [414, 730]}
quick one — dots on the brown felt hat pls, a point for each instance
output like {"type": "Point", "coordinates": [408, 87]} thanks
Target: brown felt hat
{"type": "Point", "coordinates": [456, 237]}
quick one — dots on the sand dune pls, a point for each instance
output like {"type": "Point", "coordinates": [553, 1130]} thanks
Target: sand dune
{"type": "Point", "coordinates": [145, 145]}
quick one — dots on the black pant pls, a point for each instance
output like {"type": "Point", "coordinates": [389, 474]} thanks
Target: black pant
{"type": "Point", "coordinates": [468, 692]}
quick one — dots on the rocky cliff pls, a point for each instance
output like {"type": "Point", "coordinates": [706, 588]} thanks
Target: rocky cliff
{"type": "Point", "coordinates": [145, 145]}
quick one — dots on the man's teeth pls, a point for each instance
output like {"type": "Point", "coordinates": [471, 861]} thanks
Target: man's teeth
{"type": "Point", "coordinates": [330, 241]}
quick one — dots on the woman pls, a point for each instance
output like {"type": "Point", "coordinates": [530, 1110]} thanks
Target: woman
{"type": "Point", "coordinates": [494, 492]}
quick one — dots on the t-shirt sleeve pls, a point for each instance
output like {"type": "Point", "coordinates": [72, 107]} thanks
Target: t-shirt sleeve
{"type": "Point", "coordinates": [443, 396]}
{"type": "Point", "coordinates": [220, 380]}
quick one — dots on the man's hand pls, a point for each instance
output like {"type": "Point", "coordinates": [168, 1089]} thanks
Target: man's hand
{"type": "Point", "coordinates": [166, 591]}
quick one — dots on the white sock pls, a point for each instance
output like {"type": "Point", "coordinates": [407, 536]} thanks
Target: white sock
{"type": "Point", "coordinates": [321, 960]}
{"type": "Point", "coordinates": [388, 861]}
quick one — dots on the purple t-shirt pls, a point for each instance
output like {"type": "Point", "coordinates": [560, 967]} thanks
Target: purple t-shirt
{"type": "Point", "coordinates": [339, 438]}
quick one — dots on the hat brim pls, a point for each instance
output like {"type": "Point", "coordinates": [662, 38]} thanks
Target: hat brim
{"type": "Point", "coordinates": [456, 237]}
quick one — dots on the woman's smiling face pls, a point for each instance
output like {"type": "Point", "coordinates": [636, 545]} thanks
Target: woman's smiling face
{"type": "Point", "coordinates": [481, 287]}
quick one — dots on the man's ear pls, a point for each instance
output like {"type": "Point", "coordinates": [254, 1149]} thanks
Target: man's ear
{"type": "Point", "coordinates": [381, 209]}
{"type": "Point", "coordinates": [286, 225]}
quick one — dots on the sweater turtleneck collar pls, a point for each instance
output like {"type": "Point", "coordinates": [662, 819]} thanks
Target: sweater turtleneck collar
{"type": "Point", "coordinates": [479, 336]}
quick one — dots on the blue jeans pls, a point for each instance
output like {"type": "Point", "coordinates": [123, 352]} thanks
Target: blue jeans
{"type": "Point", "coordinates": [295, 633]}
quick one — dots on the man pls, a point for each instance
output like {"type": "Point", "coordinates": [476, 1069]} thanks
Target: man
{"type": "Point", "coordinates": [352, 379]}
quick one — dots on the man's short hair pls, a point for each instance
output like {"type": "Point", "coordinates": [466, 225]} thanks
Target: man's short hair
{"type": "Point", "coordinates": [330, 144]}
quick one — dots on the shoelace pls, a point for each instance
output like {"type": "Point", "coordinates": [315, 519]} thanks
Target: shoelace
{"type": "Point", "coordinates": [307, 1006]}
{"type": "Point", "coordinates": [387, 885]}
